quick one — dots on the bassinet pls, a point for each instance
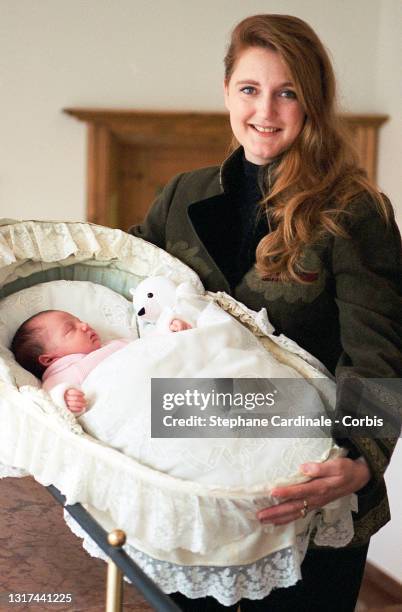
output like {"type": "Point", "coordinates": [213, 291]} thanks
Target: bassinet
{"type": "Point", "coordinates": [185, 551]}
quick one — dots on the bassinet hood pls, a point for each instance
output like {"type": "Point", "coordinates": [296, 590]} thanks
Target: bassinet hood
{"type": "Point", "coordinates": [38, 251]}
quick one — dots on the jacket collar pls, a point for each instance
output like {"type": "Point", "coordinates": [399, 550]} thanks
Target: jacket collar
{"type": "Point", "coordinates": [231, 168]}
{"type": "Point", "coordinates": [208, 217]}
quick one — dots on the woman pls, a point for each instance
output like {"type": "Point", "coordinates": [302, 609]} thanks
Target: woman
{"type": "Point", "coordinates": [289, 222]}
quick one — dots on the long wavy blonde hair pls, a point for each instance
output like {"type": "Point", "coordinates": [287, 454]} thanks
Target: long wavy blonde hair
{"type": "Point", "coordinates": [318, 178]}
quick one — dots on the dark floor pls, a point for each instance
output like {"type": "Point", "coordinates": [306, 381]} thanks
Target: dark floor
{"type": "Point", "coordinates": [39, 554]}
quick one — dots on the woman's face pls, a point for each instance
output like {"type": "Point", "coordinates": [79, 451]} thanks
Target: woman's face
{"type": "Point", "coordinates": [265, 114]}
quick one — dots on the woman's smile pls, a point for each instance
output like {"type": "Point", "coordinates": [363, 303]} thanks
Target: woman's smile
{"type": "Point", "coordinates": [266, 132]}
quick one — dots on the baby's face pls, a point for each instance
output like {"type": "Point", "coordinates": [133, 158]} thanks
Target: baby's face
{"type": "Point", "coordinates": [64, 334]}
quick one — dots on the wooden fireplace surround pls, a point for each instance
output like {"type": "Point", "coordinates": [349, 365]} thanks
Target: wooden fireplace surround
{"type": "Point", "coordinates": [131, 154]}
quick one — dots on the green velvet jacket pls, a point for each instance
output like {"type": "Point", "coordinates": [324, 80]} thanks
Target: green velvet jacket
{"type": "Point", "coordinates": [349, 316]}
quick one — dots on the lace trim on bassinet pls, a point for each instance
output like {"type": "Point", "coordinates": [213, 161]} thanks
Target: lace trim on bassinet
{"type": "Point", "coordinates": [133, 495]}
{"type": "Point", "coordinates": [230, 584]}
{"type": "Point", "coordinates": [7, 471]}
{"type": "Point", "coordinates": [31, 246]}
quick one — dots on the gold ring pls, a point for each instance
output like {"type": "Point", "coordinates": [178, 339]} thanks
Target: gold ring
{"type": "Point", "coordinates": [304, 510]}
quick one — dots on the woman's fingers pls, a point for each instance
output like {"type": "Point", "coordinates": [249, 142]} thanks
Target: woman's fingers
{"type": "Point", "coordinates": [332, 480]}
{"type": "Point", "coordinates": [281, 514]}
{"type": "Point", "coordinates": [287, 512]}
{"type": "Point", "coordinates": [313, 488]}
{"type": "Point", "coordinates": [326, 477]}
{"type": "Point", "coordinates": [334, 467]}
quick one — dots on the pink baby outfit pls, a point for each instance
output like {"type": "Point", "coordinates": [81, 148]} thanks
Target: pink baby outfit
{"type": "Point", "coordinates": [72, 370]}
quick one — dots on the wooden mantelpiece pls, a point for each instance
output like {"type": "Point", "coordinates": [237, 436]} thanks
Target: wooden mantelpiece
{"type": "Point", "coordinates": [132, 154]}
{"type": "Point", "coordinates": [166, 128]}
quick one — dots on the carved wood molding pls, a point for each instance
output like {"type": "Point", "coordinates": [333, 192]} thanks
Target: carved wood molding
{"type": "Point", "coordinates": [112, 130]}
{"type": "Point", "coordinates": [165, 128]}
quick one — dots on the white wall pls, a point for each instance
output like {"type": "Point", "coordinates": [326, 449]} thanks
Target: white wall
{"type": "Point", "coordinates": [389, 99]}
{"type": "Point", "coordinates": [153, 55]}
{"type": "Point", "coordinates": [167, 55]}
{"type": "Point", "coordinates": [386, 545]}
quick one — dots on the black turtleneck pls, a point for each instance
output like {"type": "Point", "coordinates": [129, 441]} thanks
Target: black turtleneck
{"type": "Point", "coordinates": [252, 223]}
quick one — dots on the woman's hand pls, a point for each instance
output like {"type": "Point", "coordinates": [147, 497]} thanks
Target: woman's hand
{"type": "Point", "coordinates": [75, 400]}
{"type": "Point", "coordinates": [330, 480]}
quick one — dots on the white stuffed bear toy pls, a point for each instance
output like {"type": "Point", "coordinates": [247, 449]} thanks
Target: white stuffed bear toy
{"type": "Point", "coordinates": [155, 302]}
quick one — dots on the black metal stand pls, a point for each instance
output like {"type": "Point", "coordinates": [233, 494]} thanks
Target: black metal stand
{"type": "Point", "coordinates": [143, 583]}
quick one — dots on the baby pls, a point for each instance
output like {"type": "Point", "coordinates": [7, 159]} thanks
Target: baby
{"type": "Point", "coordinates": [59, 348]}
